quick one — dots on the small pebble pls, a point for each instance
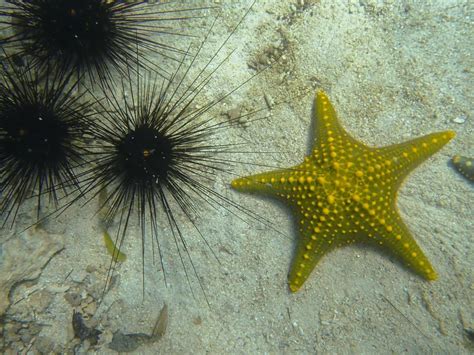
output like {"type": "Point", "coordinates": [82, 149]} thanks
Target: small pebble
{"type": "Point", "coordinates": [269, 101]}
{"type": "Point", "coordinates": [233, 114]}
{"type": "Point", "coordinates": [91, 268]}
{"type": "Point", "coordinates": [460, 119]}
{"type": "Point", "coordinates": [41, 300]}
{"type": "Point", "coordinates": [44, 345]}
{"type": "Point", "coordinates": [25, 335]}
{"type": "Point", "coordinates": [73, 298]}
{"type": "Point", "coordinates": [90, 308]}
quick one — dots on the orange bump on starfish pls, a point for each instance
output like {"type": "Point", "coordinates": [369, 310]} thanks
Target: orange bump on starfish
{"type": "Point", "coordinates": [345, 192]}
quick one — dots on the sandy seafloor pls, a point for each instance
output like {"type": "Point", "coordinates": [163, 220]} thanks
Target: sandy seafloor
{"type": "Point", "coordinates": [394, 70]}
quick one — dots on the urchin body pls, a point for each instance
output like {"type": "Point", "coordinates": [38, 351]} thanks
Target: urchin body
{"type": "Point", "coordinates": [34, 134]}
{"type": "Point", "coordinates": [145, 155]}
{"type": "Point", "coordinates": [77, 29]}
{"type": "Point", "coordinates": [92, 37]}
{"type": "Point", "coordinates": [41, 129]}
{"type": "Point", "coordinates": [153, 157]}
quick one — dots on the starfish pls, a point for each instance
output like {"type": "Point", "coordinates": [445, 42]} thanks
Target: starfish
{"type": "Point", "coordinates": [465, 166]}
{"type": "Point", "coordinates": [345, 192]}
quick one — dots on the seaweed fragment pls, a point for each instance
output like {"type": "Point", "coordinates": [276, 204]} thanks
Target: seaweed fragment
{"type": "Point", "coordinates": [115, 252]}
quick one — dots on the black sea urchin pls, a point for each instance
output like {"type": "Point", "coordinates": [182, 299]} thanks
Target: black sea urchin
{"type": "Point", "coordinates": [41, 125]}
{"type": "Point", "coordinates": [157, 156]}
{"type": "Point", "coordinates": [152, 156]}
{"type": "Point", "coordinates": [90, 36]}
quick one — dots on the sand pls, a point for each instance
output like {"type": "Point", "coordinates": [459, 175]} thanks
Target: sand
{"type": "Point", "coordinates": [394, 70]}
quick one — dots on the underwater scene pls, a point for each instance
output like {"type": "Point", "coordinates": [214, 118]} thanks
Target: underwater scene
{"type": "Point", "coordinates": [236, 177]}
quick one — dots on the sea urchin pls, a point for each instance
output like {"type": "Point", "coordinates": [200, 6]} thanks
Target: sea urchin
{"type": "Point", "coordinates": [89, 36]}
{"type": "Point", "coordinates": [156, 155]}
{"type": "Point", "coordinates": [41, 126]}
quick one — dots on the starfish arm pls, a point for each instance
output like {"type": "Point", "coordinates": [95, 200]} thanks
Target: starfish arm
{"type": "Point", "coordinates": [405, 157]}
{"type": "Point", "coordinates": [313, 243]}
{"type": "Point", "coordinates": [274, 183]}
{"type": "Point", "coordinates": [385, 230]}
{"type": "Point", "coordinates": [392, 235]}
{"type": "Point", "coordinates": [327, 128]}
{"type": "Point", "coordinates": [464, 165]}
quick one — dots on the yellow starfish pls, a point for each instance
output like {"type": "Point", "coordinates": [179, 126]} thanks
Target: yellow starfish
{"type": "Point", "coordinates": [345, 192]}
